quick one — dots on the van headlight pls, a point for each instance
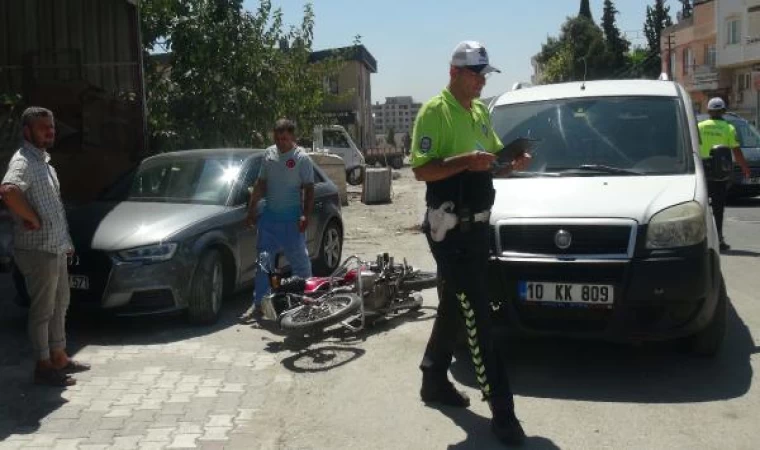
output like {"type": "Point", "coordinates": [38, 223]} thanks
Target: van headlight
{"type": "Point", "coordinates": [678, 226]}
{"type": "Point", "coordinates": [149, 253]}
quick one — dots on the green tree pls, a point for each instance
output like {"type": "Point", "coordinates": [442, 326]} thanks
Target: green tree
{"type": "Point", "coordinates": [616, 45]}
{"type": "Point", "coordinates": [657, 19]}
{"type": "Point", "coordinates": [579, 50]}
{"type": "Point", "coordinates": [636, 63]}
{"type": "Point", "coordinates": [390, 138]}
{"type": "Point", "coordinates": [232, 72]}
{"type": "Point", "coordinates": [585, 10]}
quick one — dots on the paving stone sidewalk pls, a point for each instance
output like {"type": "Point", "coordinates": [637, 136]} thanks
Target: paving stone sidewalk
{"type": "Point", "coordinates": [203, 391]}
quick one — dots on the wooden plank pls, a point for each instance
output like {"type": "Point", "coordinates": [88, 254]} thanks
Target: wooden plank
{"type": "Point", "coordinates": [124, 48]}
{"type": "Point", "coordinates": [5, 78]}
{"type": "Point", "coordinates": [91, 42]}
{"type": "Point", "coordinates": [31, 25]}
{"type": "Point", "coordinates": [107, 43]}
{"type": "Point", "coordinates": [76, 33]}
{"type": "Point", "coordinates": [45, 24]}
{"type": "Point", "coordinates": [60, 54]}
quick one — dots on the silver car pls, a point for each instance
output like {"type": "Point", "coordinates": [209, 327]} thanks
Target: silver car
{"type": "Point", "coordinates": [178, 240]}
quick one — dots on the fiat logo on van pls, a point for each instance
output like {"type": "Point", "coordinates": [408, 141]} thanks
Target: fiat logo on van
{"type": "Point", "coordinates": [563, 239]}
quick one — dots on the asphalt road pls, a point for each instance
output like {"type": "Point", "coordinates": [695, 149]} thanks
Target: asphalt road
{"type": "Point", "coordinates": [361, 391]}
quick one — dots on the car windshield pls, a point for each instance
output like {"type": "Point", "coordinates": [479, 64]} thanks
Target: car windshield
{"type": "Point", "coordinates": [598, 136]}
{"type": "Point", "coordinates": [192, 180]}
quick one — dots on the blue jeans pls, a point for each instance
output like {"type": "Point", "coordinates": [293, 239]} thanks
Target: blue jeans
{"type": "Point", "coordinates": [273, 238]}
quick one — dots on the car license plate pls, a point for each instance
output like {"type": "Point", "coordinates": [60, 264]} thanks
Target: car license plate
{"type": "Point", "coordinates": [79, 282]}
{"type": "Point", "coordinates": [567, 293]}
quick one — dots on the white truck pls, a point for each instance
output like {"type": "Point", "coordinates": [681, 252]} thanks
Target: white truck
{"type": "Point", "coordinates": [335, 139]}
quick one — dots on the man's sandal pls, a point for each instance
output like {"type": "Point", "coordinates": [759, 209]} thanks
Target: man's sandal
{"type": "Point", "coordinates": [75, 367]}
{"type": "Point", "coordinates": [52, 377]}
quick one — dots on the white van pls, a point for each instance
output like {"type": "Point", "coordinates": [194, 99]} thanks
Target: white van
{"type": "Point", "coordinates": [608, 234]}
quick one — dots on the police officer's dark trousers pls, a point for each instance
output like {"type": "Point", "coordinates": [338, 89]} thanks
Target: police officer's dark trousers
{"type": "Point", "coordinates": [462, 259]}
{"type": "Point", "coordinates": [718, 191]}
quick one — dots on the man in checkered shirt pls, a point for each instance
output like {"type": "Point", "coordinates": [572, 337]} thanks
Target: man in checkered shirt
{"type": "Point", "coordinates": [42, 246]}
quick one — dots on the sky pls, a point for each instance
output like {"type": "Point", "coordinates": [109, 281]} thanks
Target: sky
{"type": "Point", "coordinates": [412, 40]}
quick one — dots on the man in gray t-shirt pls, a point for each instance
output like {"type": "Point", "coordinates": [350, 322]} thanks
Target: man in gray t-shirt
{"type": "Point", "coordinates": [286, 183]}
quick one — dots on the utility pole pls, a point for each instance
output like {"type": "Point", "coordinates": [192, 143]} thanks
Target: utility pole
{"type": "Point", "coordinates": [671, 44]}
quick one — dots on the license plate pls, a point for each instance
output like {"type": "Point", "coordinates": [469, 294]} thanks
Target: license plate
{"type": "Point", "coordinates": [79, 282]}
{"type": "Point", "coordinates": [753, 180]}
{"type": "Point", "coordinates": [567, 293]}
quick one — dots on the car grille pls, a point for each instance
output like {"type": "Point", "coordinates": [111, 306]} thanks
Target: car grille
{"type": "Point", "coordinates": [153, 300]}
{"type": "Point", "coordinates": [539, 239]}
{"type": "Point", "coordinates": [96, 266]}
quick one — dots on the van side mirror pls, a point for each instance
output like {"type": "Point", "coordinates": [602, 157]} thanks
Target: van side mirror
{"type": "Point", "coordinates": [721, 164]}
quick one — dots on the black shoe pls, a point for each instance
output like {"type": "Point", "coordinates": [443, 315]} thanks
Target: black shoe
{"type": "Point", "coordinates": [724, 247]}
{"type": "Point", "coordinates": [507, 429]}
{"type": "Point", "coordinates": [440, 390]}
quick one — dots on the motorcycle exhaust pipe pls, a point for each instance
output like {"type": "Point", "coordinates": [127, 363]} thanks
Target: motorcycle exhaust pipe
{"type": "Point", "coordinates": [414, 302]}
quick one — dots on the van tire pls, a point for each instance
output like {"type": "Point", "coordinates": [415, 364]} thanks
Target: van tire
{"type": "Point", "coordinates": [707, 342]}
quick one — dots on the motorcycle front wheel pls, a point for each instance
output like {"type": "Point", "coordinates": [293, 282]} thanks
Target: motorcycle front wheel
{"type": "Point", "coordinates": [309, 318]}
{"type": "Point", "coordinates": [419, 281]}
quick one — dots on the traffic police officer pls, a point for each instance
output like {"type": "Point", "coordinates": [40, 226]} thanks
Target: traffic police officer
{"type": "Point", "coordinates": [717, 131]}
{"type": "Point", "coordinates": [453, 151]}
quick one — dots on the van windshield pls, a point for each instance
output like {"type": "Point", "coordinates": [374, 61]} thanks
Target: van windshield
{"type": "Point", "coordinates": [599, 136]}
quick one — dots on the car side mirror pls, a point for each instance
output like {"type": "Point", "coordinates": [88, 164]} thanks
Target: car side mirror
{"type": "Point", "coordinates": [721, 164]}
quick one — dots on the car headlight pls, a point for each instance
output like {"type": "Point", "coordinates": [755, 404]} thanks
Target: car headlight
{"type": "Point", "coordinates": [149, 253]}
{"type": "Point", "coordinates": [678, 226]}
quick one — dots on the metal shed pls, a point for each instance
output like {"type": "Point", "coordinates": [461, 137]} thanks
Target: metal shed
{"type": "Point", "coordinates": [83, 60]}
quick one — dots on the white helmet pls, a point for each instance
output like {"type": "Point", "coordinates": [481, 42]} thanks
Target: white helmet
{"type": "Point", "coordinates": [716, 104]}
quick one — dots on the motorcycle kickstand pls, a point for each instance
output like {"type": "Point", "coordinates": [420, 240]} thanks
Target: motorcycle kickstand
{"type": "Point", "coordinates": [361, 316]}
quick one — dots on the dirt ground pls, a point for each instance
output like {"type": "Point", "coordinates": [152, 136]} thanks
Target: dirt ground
{"type": "Point", "coordinates": [392, 227]}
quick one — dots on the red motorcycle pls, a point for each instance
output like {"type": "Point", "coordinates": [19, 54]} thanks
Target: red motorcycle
{"type": "Point", "coordinates": [357, 291]}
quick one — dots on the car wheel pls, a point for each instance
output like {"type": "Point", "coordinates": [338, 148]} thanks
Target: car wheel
{"type": "Point", "coordinates": [707, 342]}
{"type": "Point", "coordinates": [330, 250]}
{"type": "Point", "coordinates": [397, 162]}
{"type": "Point", "coordinates": [355, 176]}
{"type": "Point", "coordinates": [207, 289]}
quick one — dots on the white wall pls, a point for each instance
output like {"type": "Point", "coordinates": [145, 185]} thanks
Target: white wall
{"type": "Point", "coordinates": [741, 53]}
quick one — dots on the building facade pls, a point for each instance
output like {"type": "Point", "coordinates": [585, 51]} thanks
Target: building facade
{"type": "Point", "coordinates": [738, 30]}
{"type": "Point", "coordinates": [397, 113]}
{"type": "Point", "coordinates": [349, 102]}
{"type": "Point", "coordinates": [690, 55]}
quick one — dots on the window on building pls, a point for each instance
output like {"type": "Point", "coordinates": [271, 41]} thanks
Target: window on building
{"type": "Point", "coordinates": [688, 60]}
{"type": "Point", "coordinates": [331, 85]}
{"type": "Point", "coordinates": [753, 25]}
{"type": "Point", "coordinates": [733, 31]}
{"type": "Point", "coordinates": [743, 81]}
{"type": "Point", "coordinates": [711, 56]}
